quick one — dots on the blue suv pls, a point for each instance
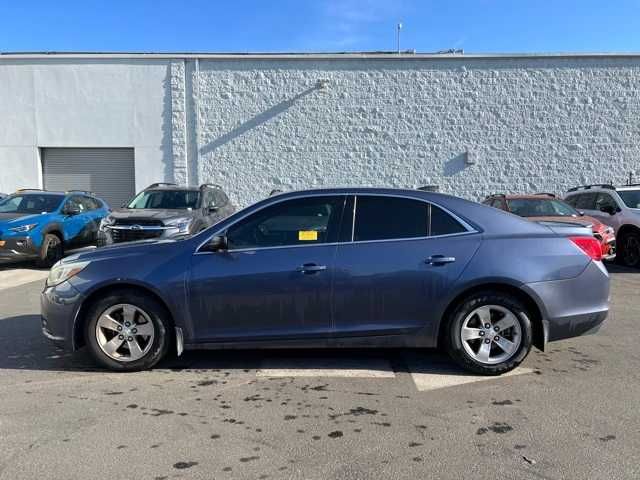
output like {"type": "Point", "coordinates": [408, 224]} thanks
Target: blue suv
{"type": "Point", "coordinates": [39, 225]}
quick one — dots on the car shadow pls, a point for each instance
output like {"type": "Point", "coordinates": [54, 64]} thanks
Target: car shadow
{"type": "Point", "coordinates": [24, 347]}
{"type": "Point", "coordinates": [614, 268]}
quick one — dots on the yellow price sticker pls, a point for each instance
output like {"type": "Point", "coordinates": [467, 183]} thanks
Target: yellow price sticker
{"type": "Point", "coordinates": [307, 235]}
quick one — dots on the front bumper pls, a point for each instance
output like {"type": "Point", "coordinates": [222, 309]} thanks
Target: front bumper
{"type": "Point", "coordinates": [575, 306]}
{"type": "Point", "coordinates": [59, 306]}
{"type": "Point", "coordinates": [14, 249]}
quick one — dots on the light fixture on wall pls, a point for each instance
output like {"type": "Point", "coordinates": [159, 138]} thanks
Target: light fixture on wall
{"type": "Point", "coordinates": [468, 158]}
{"type": "Point", "coordinates": [322, 84]}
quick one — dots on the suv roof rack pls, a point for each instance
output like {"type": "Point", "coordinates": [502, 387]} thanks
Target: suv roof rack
{"type": "Point", "coordinates": [161, 184]}
{"type": "Point", "coordinates": [546, 194]}
{"type": "Point", "coordinates": [86, 192]}
{"type": "Point", "coordinates": [495, 195]}
{"type": "Point", "coordinates": [30, 190]}
{"type": "Point", "coordinates": [608, 186]}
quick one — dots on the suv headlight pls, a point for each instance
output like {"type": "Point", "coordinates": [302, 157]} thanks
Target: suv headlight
{"type": "Point", "coordinates": [24, 228]}
{"type": "Point", "coordinates": [181, 224]}
{"type": "Point", "coordinates": [106, 221]}
{"type": "Point", "coordinates": [61, 272]}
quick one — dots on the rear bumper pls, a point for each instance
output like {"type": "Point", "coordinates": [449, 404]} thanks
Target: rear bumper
{"type": "Point", "coordinates": [14, 249]}
{"type": "Point", "coordinates": [573, 307]}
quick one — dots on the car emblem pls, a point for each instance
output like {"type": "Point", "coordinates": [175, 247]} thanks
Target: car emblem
{"type": "Point", "coordinates": [136, 227]}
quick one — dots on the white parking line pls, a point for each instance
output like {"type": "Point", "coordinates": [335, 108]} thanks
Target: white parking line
{"type": "Point", "coordinates": [14, 277]}
{"type": "Point", "coordinates": [324, 367]}
{"type": "Point", "coordinates": [433, 373]}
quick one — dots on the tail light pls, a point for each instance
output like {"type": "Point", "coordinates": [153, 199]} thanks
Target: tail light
{"type": "Point", "coordinates": [590, 246]}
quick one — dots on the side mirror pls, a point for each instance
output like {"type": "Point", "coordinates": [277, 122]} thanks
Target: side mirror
{"type": "Point", "coordinates": [216, 244]}
{"type": "Point", "coordinates": [71, 211]}
{"type": "Point", "coordinates": [611, 210]}
{"type": "Point", "coordinates": [581, 213]}
{"type": "Point", "coordinates": [212, 209]}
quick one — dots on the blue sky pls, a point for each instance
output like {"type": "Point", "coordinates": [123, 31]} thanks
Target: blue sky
{"type": "Point", "coordinates": [320, 25]}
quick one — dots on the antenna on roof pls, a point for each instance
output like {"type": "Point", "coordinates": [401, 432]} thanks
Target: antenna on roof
{"type": "Point", "coordinates": [398, 28]}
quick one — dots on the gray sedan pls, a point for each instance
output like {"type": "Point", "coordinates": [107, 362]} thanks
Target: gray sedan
{"type": "Point", "coordinates": [337, 267]}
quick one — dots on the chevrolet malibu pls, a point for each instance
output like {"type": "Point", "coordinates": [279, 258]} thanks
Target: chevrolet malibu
{"type": "Point", "coordinates": [332, 268]}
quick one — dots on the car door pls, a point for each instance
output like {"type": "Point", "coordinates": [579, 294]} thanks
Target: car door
{"type": "Point", "coordinates": [606, 201]}
{"type": "Point", "coordinates": [404, 256]}
{"type": "Point", "coordinates": [274, 279]}
{"type": "Point", "coordinates": [73, 223]}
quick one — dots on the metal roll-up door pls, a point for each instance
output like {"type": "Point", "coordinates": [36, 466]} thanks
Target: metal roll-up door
{"type": "Point", "coordinates": [107, 172]}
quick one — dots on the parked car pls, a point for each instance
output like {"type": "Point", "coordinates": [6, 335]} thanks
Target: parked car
{"type": "Point", "coordinates": [336, 267]}
{"type": "Point", "coordinates": [165, 210]}
{"type": "Point", "coordinates": [618, 207]}
{"type": "Point", "coordinates": [40, 225]}
{"type": "Point", "coordinates": [545, 207]}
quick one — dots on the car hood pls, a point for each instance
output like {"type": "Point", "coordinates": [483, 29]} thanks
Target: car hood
{"type": "Point", "coordinates": [12, 217]}
{"type": "Point", "coordinates": [120, 250]}
{"type": "Point", "coordinates": [150, 214]}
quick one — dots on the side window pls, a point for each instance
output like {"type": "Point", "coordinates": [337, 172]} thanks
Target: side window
{"type": "Point", "coordinates": [572, 200]}
{"type": "Point", "coordinates": [75, 202]}
{"type": "Point", "coordinates": [605, 200]}
{"type": "Point", "coordinates": [500, 203]}
{"type": "Point", "coordinates": [88, 203]}
{"type": "Point", "coordinates": [443, 224]}
{"type": "Point", "coordinates": [220, 198]}
{"type": "Point", "coordinates": [306, 221]}
{"type": "Point", "coordinates": [384, 218]}
{"type": "Point", "coordinates": [586, 201]}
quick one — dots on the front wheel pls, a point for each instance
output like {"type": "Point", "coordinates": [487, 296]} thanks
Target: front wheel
{"type": "Point", "coordinates": [51, 251]}
{"type": "Point", "coordinates": [489, 333]}
{"type": "Point", "coordinates": [629, 250]}
{"type": "Point", "coordinates": [127, 331]}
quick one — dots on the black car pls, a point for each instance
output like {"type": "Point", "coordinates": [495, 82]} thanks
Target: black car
{"type": "Point", "coordinates": [166, 210]}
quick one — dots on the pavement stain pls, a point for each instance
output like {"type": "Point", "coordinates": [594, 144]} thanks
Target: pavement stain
{"type": "Point", "coordinates": [184, 465]}
{"type": "Point", "coordinates": [335, 434]}
{"type": "Point", "coordinates": [249, 459]}
{"type": "Point", "coordinates": [496, 427]}
{"type": "Point", "coordinates": [607, 438]}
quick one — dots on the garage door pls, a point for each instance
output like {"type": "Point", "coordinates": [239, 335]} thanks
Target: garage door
{"type": "Point", "coordinates": [107, 172]}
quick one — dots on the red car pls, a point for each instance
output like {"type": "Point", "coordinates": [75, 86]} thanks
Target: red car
{"type": "Point", "coordinates": [545, 207]}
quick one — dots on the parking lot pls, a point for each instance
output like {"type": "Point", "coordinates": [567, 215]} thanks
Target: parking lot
{"type": "Point", "coordinates": [570, 412]}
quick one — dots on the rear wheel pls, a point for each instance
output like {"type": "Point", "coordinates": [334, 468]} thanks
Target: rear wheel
{"type": "Point", "coordinates": [629, 249]}
{"type": "Point", "coordinates": [489, 333]}
{"type": "Point", "coordinates": [127, 331]}
{"type": "Point", "coordinates": [50, 251]}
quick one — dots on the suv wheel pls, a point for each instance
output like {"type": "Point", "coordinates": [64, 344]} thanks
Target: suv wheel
{"type": "Point", "coordinates": [127, 331]}
{"type": "Point", "coordinates": [50, 251]}
{"type": "Point", "coordinates": [489, 333]}
{"type": "Point", "coordinates": [629, 249]}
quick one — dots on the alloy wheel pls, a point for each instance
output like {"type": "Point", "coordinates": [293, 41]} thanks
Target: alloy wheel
{"type": "Point", "coordinates": [125, 332]}
{"type": "Point", "coordinates": [491, 334]}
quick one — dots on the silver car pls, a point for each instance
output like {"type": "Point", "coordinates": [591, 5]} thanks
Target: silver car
{"type": "Point", "coordinates": [618, 207]}
{"type": "Point", "coordinates": [341, 267]}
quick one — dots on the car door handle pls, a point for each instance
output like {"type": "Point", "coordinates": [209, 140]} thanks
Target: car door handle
{"type": "Point", "coordinates": [311, 268]}
{"type": "Point", "coordinates": [439, 260]}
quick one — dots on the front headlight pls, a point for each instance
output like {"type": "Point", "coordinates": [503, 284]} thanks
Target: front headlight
{"type": "Point", "coordinates": [106, 221]}
{"type": "Point", "coordinates": [61, 272]}
{"type": "Point", "coordinates": [24, 228]}
{"type": "Point", "coordinates": [181, 224]}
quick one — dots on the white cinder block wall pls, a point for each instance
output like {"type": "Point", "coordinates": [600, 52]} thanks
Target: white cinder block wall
{"type": "Point", "coordinates": [256, 123]}
{"type": "Point", "coordinates": [529, 124]}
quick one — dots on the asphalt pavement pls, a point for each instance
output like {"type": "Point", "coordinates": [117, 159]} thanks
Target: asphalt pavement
{"type": "Point", "coordinates": [569, 413]}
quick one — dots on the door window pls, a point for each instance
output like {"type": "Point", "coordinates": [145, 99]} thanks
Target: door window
{"type": "Point", "coordinates": [306, 221]}
{"type": "Point", "coordinates": [586, 201]}
{"type": "Point", "coordinates": [605, 200]}
{"type": "Point", "coordinates": [75, 203]}
{"type": "Point", "coordinates": [385, 218]}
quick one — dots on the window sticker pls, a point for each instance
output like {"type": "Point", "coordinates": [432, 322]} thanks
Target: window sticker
{"type": "Point", "coordinates": [307, 235]}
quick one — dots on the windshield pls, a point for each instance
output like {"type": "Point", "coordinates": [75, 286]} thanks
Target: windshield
{"type": "Point", "coordinates": [31, 203]}
{"type": "Point", "coordinates": [166, 199]}
{"type": "Point", "coordinates": [631, 198]}
{"type": "Point", "coordinates": [542, 207]}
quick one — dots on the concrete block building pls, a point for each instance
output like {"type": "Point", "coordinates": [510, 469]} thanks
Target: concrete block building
{"type": "Point", "coordinates": [469, 125]}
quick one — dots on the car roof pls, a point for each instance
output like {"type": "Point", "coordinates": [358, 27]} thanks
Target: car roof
{"type": "Point", "coordinates": [526, 196]}
{"type": "Point", "coordinates": [172, 188]}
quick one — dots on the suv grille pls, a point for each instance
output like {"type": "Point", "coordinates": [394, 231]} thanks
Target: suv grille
{"type": "Point", "coordinates": [143, 222]}
{"type": "Point", "coordinates": [133, 235]}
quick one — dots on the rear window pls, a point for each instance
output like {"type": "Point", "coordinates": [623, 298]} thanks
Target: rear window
{"type": "Point", "coordinates": [444, 224]}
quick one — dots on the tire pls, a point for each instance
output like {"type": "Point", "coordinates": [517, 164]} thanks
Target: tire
{"type": "Point", "coordinates": [502, 309]}
{"type": "Point", "coordinates": [51, 251]}
{"type": "Point", "coordinates": [150, 318]}
{"type": "Point", "coordinates": [628, 253]}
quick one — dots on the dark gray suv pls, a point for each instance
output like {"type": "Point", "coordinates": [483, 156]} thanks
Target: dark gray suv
{"type": "Point", "coordinates": [166, 210]}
